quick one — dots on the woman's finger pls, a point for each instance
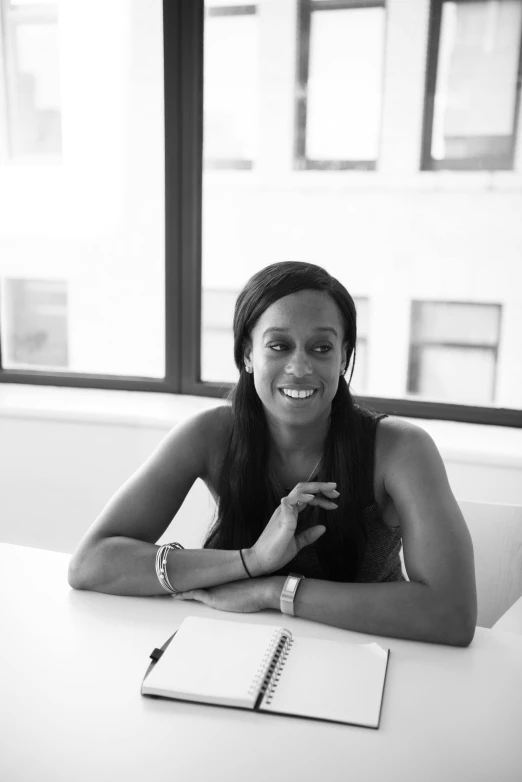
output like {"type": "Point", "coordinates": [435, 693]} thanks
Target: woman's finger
{"type": "Point", "coordinates": [317, 486]}
{"type": "Point", "coordinates": [322, 502]}
{"type": "Point", "coordinates": [297, 498]}
{"type": "Point", "coordinates": [302, 498]}
{"type": "Point", "coordinates": [192, 594]}
{"type": "Point", "coordinates": [310, 535]}
{"type": "Point", "coordinates": [333, 493]}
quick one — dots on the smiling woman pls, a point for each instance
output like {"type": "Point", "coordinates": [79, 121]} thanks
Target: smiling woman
{"type": "Point", "coordinates": [309, 485]}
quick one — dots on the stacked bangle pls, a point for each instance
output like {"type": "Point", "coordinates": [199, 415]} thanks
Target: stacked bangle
{"type": "Point", "coordinates": [161, 566]}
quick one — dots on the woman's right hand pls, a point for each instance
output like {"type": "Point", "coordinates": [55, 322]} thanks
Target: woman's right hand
{"type": "Point", "coordinates": [278, 543]}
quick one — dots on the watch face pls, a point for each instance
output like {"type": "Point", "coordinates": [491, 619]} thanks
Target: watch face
{"type": "Point", "coordinates": [291, 584]}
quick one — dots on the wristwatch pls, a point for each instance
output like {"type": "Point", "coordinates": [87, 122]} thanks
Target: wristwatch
{"type": "Point", "coordinates": [289, 592]}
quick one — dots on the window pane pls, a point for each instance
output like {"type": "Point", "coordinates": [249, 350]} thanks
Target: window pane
{"type": "Point", "coordinates": [359, 376]}
{"type": "Point", "coordinates": [455, 374]}
{"type": "Point", "coordinates": [471, 324]}
{"type": "Point", "coordinates": [95, 220]}
{"type": "Point", "coordinates": [217, 355]}
{"type": "Point", "coordinates": [358, 382]}
{"type": "Point", "coordinates": [36, 125]}
{"type": "Point", "coordinates": [231, 88]}
{"type": "Point", "coordinates": [463, 371]}
{"type": "Point", "coordinates": [476, 80]}
{"type": "Point", "coordinates": [344, 83]}
{"type": "Point", "coordinates": [362, 308]}
{"type": "Point", "coordinates": [217, 341]}
{"type": "Point", "coordinates": [35, 324]}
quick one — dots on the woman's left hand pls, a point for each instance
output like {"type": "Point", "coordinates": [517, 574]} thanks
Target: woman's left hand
{"type": "Point", "coordinates": [244, 597]}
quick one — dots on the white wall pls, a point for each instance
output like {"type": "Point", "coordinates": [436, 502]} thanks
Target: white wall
{"type": "Point", "coordinates": [56, 476]}
{"type": "Point", "coordinates": [64, 452]}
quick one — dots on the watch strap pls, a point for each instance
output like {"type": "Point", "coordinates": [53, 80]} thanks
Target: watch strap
{"type": "Point", "coordinates": [288, 593]}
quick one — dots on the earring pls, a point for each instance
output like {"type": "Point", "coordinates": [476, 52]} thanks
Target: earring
{"type": "Point", "coordinates": [342, 372]}
{"type": "Point", "coordinates": [248, 369]}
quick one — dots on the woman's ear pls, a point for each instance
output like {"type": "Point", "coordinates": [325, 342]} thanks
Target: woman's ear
{"type": "Point", "coordinates": [247, 356]}
{"type": "Point", "coordinates": [344, 358]}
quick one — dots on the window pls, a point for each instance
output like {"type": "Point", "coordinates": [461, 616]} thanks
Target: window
{"type": "Point", "coordinates": [31, 90]}
{"type": "Point", "coordinates": [128, 254]}
{"type": "Point", "coordinates": [473, 85]}
{"type": "Point", "coordinates": [82, 244]}
{"type": "Point", "coordinates": [231, 85]}
{"type": "Point", "coordinates": [453, 351]}
{"type": "Point", "coordinates": [339, 93]}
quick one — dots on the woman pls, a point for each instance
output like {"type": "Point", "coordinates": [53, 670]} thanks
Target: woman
{"type": "Point", "coordinates": [307, 483]}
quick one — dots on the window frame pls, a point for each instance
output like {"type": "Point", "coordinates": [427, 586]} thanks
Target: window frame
{"type": "Point", "coordinates": [305, 10]}
{"type": "Point", "coordinates": [183, 22]}
{"type": "Point", "coordinates": [428, 163]}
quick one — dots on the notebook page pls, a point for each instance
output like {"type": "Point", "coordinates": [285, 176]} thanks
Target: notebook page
{"type": "Point", "coordinates": [213, 661]}
{"type": "Point", "coordinates": [331, 680]}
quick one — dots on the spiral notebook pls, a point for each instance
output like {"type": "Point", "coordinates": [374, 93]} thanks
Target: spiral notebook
{"type": "Point", "coordinates": [264, 668]}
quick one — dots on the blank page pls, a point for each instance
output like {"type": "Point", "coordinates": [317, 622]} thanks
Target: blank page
{"type": "Point", "coordinates": [214, 661]}
{"type": "Point", "coordinates": [331, 680]}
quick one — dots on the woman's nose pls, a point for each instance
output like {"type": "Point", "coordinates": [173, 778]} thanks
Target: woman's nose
{"type": "Point", "coordinates": [299, 364]}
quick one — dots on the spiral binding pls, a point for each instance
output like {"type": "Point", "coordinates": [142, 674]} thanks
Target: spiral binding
{"type": "Point", "coordinates": [276, 669]}
{"type": "Point", "coordinates": [265, 664]}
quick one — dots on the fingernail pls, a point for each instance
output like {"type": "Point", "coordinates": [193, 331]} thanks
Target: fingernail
{"type": "Point", "coordinates": [331, 483]}
{"type": "Point", "coordinates": [334, 491]}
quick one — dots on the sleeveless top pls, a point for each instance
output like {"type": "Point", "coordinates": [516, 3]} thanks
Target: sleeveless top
{"type": "Point", "coordinates": [381, 561]}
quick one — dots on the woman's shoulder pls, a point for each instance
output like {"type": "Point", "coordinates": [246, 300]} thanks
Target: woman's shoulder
{"type": "Point", "coordinates": [399, 442]}
{"type": "Point", "coordinates": [395, 432]}
{"type": "Point", "coordinates": [210, 427]}
{"type": "Point", "coordinates": [200, 439]}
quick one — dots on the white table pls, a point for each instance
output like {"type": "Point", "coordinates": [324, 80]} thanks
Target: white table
{"type": "Point", "coordinates": [512, 619]}
{"type": "Point", "coordinates": [70, 705]}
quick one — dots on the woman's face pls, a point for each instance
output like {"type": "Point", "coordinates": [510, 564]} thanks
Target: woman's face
{"type": "Point", "coordinates": [297, 352]}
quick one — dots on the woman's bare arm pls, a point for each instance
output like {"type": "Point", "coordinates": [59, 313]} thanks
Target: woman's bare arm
{"type": "Point", "coordinates": [117, 554]}
{"type": "Point", "coordinates": [439, 603]}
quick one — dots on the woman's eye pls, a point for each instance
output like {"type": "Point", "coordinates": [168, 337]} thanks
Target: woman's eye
{"type": "Point", "coordinates": [277, 346]}
{"type": "Point", "coordinates": [323, 348]}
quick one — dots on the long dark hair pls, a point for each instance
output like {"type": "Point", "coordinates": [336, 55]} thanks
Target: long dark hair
{"type": "Point", "coordinates": [247, 496]}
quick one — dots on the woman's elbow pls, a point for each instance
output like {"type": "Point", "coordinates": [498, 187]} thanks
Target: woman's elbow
{"type": "Point", "coordinates": [464, 635]}
{"type": "Point", "coordinates": [83, 570]}
{"type": "Point", "coordinates": [76, 574]}
{"type": "Point", "coordinates": [464, 624]}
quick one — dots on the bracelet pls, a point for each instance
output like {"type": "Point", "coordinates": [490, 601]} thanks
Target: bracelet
{"type": "Point", "coordinates": [161, 566]}
{"type": "Point", "coordinates": [244, 565]}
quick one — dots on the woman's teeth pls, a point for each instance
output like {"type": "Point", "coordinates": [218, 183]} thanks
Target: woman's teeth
{"type": "Point", "coordinates": [297, 394]}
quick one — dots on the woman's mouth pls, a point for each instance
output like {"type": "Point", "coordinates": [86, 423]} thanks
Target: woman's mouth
{"type": "Point", "coordinates": [297, 395]}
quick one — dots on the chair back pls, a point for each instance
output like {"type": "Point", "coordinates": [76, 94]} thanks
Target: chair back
{"type": "Point", "coordinates": [496, 532]}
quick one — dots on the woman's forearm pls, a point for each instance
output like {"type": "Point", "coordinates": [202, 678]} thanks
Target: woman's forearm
{"type": "Point", "coordinates": [124, 566]}
{"type": "Point", "coordinates": [397, 609]}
